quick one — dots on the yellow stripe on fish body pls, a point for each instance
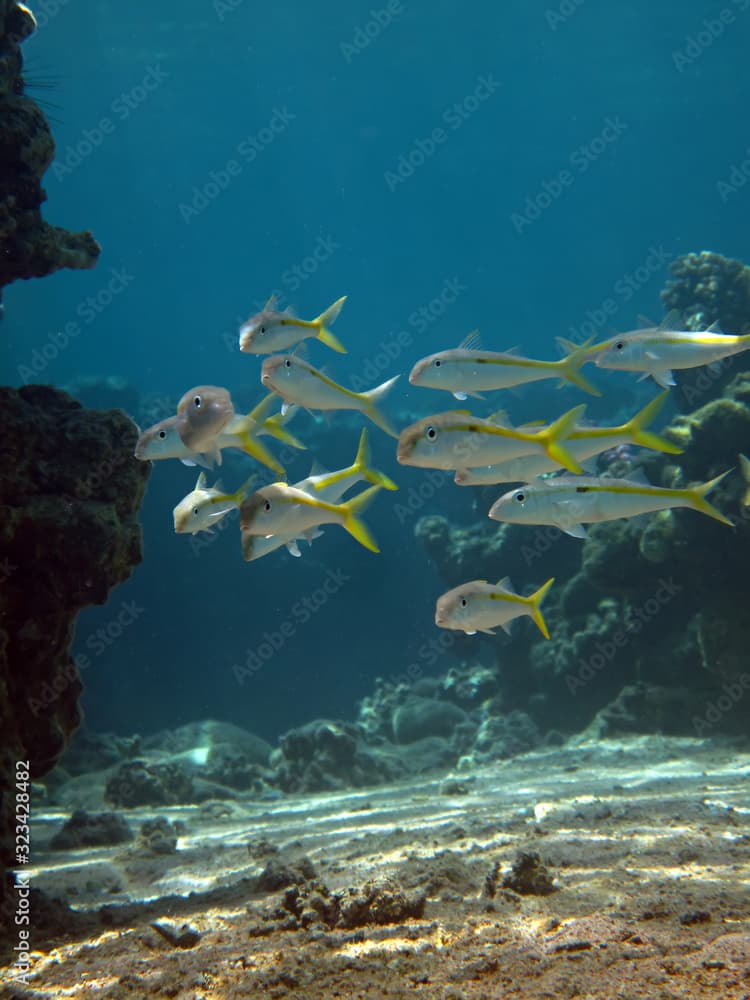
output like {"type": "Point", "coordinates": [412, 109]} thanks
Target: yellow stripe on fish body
{"type": "Point", "coordinates": [298, 382]}
{"type": "Point", "coordinates": [450, 441]}
{"type": "Point", "coordinates": [569, 503]}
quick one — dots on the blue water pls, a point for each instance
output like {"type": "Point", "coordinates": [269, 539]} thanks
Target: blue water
{"type": "Point", "coordinates": [219, 151]}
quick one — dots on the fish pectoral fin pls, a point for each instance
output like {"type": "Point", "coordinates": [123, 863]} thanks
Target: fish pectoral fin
{"type": "Point", "coordinates": [575, 530]}
{"type": "Point", "coordinates": [487, 631]}
{"type": "Point", "coordinates": [664, 378]}
{"type": "Point", "coordinates": [470, 631]}
{"type": "Point", "coordinates": [292, 548]}
{"type": "Point", "coordinates": [460, 395]}
{"type": "Point", "coordinates": [507, 627]}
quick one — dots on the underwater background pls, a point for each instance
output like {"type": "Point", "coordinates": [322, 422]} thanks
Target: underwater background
{"type": "Point", "coordinates": [509, 167]}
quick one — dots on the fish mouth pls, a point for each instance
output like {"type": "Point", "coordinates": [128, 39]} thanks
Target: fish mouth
{"type": "Point", "coordinates": [265, 378]}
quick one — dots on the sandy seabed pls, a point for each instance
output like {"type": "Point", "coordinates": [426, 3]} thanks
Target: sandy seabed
{"type": "Point", "coordinates": [647, 839]}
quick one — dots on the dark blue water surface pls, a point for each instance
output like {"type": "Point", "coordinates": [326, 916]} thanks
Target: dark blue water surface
{"type": "Point", "coordinates": [525, 168]}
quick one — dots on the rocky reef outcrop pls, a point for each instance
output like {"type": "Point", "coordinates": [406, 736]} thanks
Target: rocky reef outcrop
{"type": "Point", "coordinates": [69, 496]}
{"type": "Point", "coordinates": [29, 246]}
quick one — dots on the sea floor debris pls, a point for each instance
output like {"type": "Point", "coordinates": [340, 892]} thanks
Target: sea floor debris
{"type": "Point", "coordinates": [645, 838]}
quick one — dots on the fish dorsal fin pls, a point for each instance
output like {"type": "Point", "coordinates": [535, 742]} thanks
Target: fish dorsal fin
{"type": "Point", "coordinates": [715, 327]}
{"type": "Point", "coordinates": [512, 350]}
{"type": "Point", "coordinates": [318, 469]}
{"type": "Point", "coordinates": [505, 584]}
{"type": "Point", "coordinates": [499, 418]}
{"type": "Point", "coordinates": [300, 351]}
{"type": "Point", "coordinates": [270, 305]}
{"type": "Point", "coordinates": [218, 486]}
{"type": "Point", "coordinates": [648, 323]}
{"type": "Point", "coordinates": [672, 321]}
{"type": "Point", "coordinates": [471, 342]}
{"type": "Point", "coordinates": [201, 481]}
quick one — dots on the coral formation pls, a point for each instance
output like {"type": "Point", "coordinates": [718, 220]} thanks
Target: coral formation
{"type": "Point", "coordinates": [91, 830]}
{"type": "Point", "coordinates": [29, 246]}
{"type": "Point", "coordinates": [69, 496]}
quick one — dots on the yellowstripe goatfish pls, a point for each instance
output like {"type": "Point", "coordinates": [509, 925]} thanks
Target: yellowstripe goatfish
{"type": "Point", "coordinates": [164, 439]}
{"type": "Point", "coordinates": [205, 506]}
{"type": "Point", "coordinates": [456, 440]}
{"type": "Point", "coordinates": [569, 503]}
{"type": "Point", "coordinates": [271, 330]}
{"type": "Point", "coordinates": [583, 443]}
{"type": "Point", "coordinates": [328, 486]}
{"type": "Point", "coordinates": [479, 606]}
{"type": "Point", "coordinates": [468, 371]}
{"type": "Point", "coordinates": [657, 350]}
{"type": "Point", "coordinates": [280, 509]}
{"type": "Point", "coordinates": [298, 382]}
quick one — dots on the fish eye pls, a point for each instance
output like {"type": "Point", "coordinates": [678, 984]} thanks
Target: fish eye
{"type": "Point", "coordinates": [431, 433]}
{"type": "Point", "coordinates": [162, 434]}
{"type": "Point", "coordinates": [288, 363]}
{"type": "Point", "coordinates": [262, 329]}
{"type": "Point", "coordinates": [520, 496]}
{"type": "Point", "coordinates": [195, 511]}
{"type": "Point", "coordinates": [619, 345]}
{"type": "Point", "coordinates": [267, 505]}
{"type": "Point", "coordinates": [436, 362]}
{"type": "Point", "coordinates": [464, 602]}
{"type": "Point", "coordinates": [197, 402]}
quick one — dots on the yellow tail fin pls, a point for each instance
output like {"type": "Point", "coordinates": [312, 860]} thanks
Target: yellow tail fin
{"type": "Point", "coordinates": [356, 528]}
{"type": "Point", "coordinates": [252, 446]}
{"type": "Point", "coordinates": [570, 368]}
{"type": "Point", "coordinates": [273, 426]}
{"type": "Point", "coordinates": [636, 428]}
{"type": "Point", "coordinates": [374, 396]}
{"type": "Point", "coordinates": [326, 319]}
{"type": "Point", "coordinates": [534, 601]}
{"type": "Point", "coordinates": [697, 496]}
{"type": "Point", "coordinates": [362, 465]}
{"type": "Point", "coordinates": [558, 431]}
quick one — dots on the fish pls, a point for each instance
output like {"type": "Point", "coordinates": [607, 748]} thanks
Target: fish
{"type": "Point", "coordinates": [583, 443]}
{"type": "Point", "coordinates": [657, 351]}
{"type": "Point", "coordinates": [202, 413]}
{"type": "Point", "coordinates": [457, 440]}
{"type": "Point", "coordinates": [569, 502]}
{"type": "Point", "coordinates": [296, 381]}
{"type": "Point", "coordinates": [328, 486]}
{"type": "Point", "coordinates": [164, 440]}
{"type": "Point", "coordinates": [280, 509]}
{"type": "Point", "coordinates": [479, 606]}
{"type": "Point", "coordinates": [745, 469]}
{"type": "Point", "coordinates": [270, 330]}
{"type": "Point", "coordinates": [468, 371]}
{"type": "Point", "coordinates": [205, 505]}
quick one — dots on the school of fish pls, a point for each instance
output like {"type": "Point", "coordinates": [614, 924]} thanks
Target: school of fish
{"type": "Point", "coordinates": [479, 450]}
